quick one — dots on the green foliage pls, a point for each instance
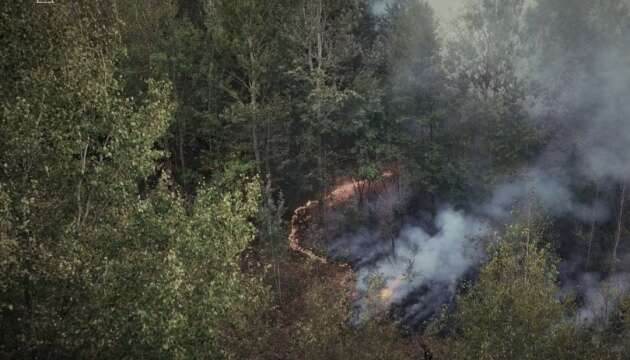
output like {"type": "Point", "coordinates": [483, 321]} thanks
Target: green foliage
{"type": "Point", "coordinates": [174, 281]}
{"type": "Point", "coordinates": [117, 115]}
{"type": "Point", "coordinates": [90, 269]}
{"type": "Point", "coordinates": [512, 311]}
{"type": "Point", "coordinates": [325, 333]}
{"type": "Point", "coordinates": [489, 46]}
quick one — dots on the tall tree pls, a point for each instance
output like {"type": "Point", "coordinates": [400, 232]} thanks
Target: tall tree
{"type": "Point", "coordinates": [485, 57]}
{"type": "Point", "coordinates": [512, 311]}
{"type": "Point", "coordinates": [91, 267]}
{"type": "Point", "coordinates": [488, 45]}
{"type": "Point", "coordinates": [249, 33]}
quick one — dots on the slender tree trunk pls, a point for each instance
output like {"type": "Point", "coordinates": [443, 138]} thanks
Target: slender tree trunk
{"type": "Point", "coordinates": [591, 234]}
{"type": "Point", "coordinates": [254, 126]}
{"type": "Point", "coordinates": [80, 186]}
{"type": "Point", "coordinates": [307, 41]}
{"type": "Point", "coordinates": [622, 202]}
{"type": "Point", "coordinates": [318, 86]}
{"type": "Point", "coordinates": [267, 193]}
{"type": "Point", "coordinates": [180, 144]}
{"type": "Point", "coordinates": [529, 221]}
{"type": "Point", "coordinates": [255, 145]}
{"type": "Point", "coordinates": [529, 230]}
{"type": "Point", "coordinates": [268, 148]}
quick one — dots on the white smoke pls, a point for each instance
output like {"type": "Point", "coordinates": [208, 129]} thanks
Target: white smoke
{"type": "Point", "coordinates": [582, 92]}
{"type": "Point", "coordinates": [552, 192]}
{"type": "Point", "coordinates": [417, 259]}
{"type": "Point", "coordinates": [599, 296]}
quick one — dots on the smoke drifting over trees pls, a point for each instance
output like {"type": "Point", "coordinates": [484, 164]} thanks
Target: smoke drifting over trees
{"type": "Point", "coordinates": [570, 85]}
{"type": "Point", "coordinates": [465, 175]}
{"type": "Point", "coordinates": [433, 263]}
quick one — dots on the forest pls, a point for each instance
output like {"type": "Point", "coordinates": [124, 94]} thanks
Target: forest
{"type": "Point", "coordinates": [314, 179]}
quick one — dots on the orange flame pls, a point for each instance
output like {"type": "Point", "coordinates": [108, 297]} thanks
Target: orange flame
{"type": "Point", "coordinates": [388, 292]}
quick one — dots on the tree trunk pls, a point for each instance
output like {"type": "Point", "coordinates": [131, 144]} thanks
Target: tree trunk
{"type": "Point", "coordinates": [180, 144]}
{"type": "Point", "coordinates": [254, 125]}
{"type": "Point", "coordinates": [268, 148]}
{"type": "Point", "coordinates": [591, 234]}
{"type": "Point", "coordinates": [622, 202]}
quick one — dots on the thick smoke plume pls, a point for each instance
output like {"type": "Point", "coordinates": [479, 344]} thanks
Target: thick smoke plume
{"type": "Point", "coordinates": [416, 259]}
{"type": "Point", "coordinates": [581, 90]}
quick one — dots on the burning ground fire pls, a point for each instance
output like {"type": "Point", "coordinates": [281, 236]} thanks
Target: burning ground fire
{"type": "Point", "coordinates": [350, 188]}
{"type": "Point", "coordinates": [300, 221]}
{"type": "Point", "coordinates": [408, 273]}
{"type": "Point", "coordinates": [345, 191]}
{"type": "Point", "coordinates": [387, 293]}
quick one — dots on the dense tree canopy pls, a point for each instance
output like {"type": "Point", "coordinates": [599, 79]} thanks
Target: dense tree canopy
{"type": "Point", "coordinates": [152, 154]}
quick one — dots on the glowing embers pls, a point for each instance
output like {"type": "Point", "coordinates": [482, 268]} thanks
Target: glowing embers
{"type": "Point", "coordinates": [342, 193]}
{"type": "Point", "coordinates": [387, 293]}
{"type": "Point", "coordinates": [304, 223]}
{"type": "Point", "coordinates": [351, 188]}
{"type": "Point", "coordinates": [302, 218]}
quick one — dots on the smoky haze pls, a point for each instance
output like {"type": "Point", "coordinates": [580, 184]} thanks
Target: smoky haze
{"type": "Point", "coordinates": [444, 9]}
{"type": "Point", "coordinates": [577, 83]}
